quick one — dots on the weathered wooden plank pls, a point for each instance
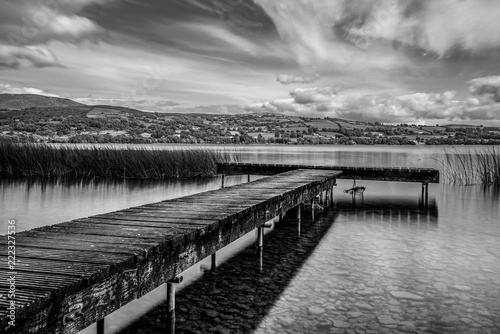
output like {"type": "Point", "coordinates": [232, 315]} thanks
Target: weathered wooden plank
{"type": "Point", "coordinates": [126, 228]}
{"type": "Point", "coordinates": [42, 281]}
{"type": "Point", "coordinates": [26, 302]}
{"type": "Point", "coordinates": [115, 261]}
{"type": "Point", "coordinates": [138, 250]}
{"type": "Point", "coordinates": [82, 269]}
{"type": "Point", "coordinates": [195, 206]}
{"type": "Point", "coordinates": [49, 234]}
{"type": "Point", "coordinates": [91, 234]}
{"type": "Point", "coordinates": [165, 222]}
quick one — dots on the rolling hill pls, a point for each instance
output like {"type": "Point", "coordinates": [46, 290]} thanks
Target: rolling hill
{"type": "Point", "coordinates": [23, 101]}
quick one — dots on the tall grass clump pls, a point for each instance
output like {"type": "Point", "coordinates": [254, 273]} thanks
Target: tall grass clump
{"type": "Point", "coordinates": [43, 160]}
{"type": "Point", "coordinates": [472, 166]}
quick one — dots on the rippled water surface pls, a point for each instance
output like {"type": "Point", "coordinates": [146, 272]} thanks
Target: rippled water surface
{"type": "Point", "coordinates": [381, 264]}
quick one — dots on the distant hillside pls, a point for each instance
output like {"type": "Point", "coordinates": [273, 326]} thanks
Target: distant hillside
{"type": "Point", "coordinates": [22, 101]}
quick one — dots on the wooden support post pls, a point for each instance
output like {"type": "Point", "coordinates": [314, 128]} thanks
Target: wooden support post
{"type": "Point", "coordinates": [260, 237]}
{"type": "Point", "coordinates": [222, 181]}
{"type": "Point", "coordinates": [170, 308]}
{"type": "Point", "coordinates": [100, 326]}
{"type": "Point", "coordinates": [331, 196]}
{"type": "Point", "coordinates": [299, 218]}
{"type": "Point", "coordinates": [423, 190]}
{"type": "Point", "coordinates": [171, 304]}
{"type": "Point", "coordinates": [248, 178]}
{"type": "Point", "coordinates": [426, 195]}
{"type": "Point", "coordinates": [312, 208]}
{"type": "Point", "coordinates": [214, 261]}
{"type": "Point", "coordinates": [261, 259]}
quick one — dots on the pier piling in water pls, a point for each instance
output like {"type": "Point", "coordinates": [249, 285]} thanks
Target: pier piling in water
{"type": "Point", "coordinates": [100, 326]}
{"type": "Point", "coordinates": [214, 261]}
{"type": "Point", "coordinates": [170, 316]}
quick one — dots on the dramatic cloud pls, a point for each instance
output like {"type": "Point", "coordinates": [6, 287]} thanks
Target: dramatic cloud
{"type": "Point", "coordinates": [26, 26]}
{"type": "Point", "coordinates": [36, 56]}
{"type": "Point", "coordinates": [313, 95]}
{"type": "Point", "coordinates": [326, 33]}
{"type": "Point", "coordinates": [333, 102]}
{"type": "Point", "coordinates": [36, 22]}
{"type": "Point", "coordinates": [8, 89]}
{"type": "Point", "coordinates": [488, 87]}
{"type": "Point", "coordinates": [287, 79]}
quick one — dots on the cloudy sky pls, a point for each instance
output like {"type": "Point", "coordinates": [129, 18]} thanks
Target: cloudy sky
{"type": "Point", "coordinates": [394, 61]}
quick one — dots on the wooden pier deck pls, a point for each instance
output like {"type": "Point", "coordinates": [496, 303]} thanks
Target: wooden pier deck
{"type": "Point", "coordinates": [71, 275]}
{"type": "Point", "coordinates": [400, 174]}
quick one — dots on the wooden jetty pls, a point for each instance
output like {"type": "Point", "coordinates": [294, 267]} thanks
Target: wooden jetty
{"type": "Point", "coordinates": [375, 173]}
{"type": "Point", "coordinates": [71, 275]}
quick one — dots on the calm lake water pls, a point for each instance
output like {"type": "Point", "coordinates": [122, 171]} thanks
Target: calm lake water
{"type": "Point", "coordinates": [383, 264]}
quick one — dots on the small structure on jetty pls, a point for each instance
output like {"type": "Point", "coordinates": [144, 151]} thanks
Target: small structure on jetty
{"type": "Point", "coordinates": [71, 275]}
{"type": "Point", "coordinates": [374, 173]}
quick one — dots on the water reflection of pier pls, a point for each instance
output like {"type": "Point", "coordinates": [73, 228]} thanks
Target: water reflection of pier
{"type": "Point", "coordinates": [387, 209]}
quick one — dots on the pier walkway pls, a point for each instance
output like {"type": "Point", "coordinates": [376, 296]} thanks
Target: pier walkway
{"type": "Point", "coordinates": [70, 275]}
{"type": "Point", "coordinates": [375, 173]}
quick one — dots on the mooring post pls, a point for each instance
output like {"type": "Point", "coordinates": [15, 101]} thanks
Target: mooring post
{"type": "Point", "coordinates": [222, 181]}
{"type": "Point", "coordinates": [248, 178]}
{"type": "Point", "coordinates": [312, 208]}
{"type": "Point", "coordinates": [423, 190]}
{"type": "Point", "coordinates": [214, 261]}
{"type": "Point", "coordinates": [100, 326]}
{"type": "Point", "coordinates": [171, 304]}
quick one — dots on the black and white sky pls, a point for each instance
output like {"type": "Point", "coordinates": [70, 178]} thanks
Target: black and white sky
{"type": "Point", "coordinates": [393, 61]}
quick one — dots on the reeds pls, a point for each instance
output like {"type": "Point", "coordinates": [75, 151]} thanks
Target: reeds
{"type": "Point", "coordinates": [43, 160]}
{"type": "Point", "coordinates": [479, 165]}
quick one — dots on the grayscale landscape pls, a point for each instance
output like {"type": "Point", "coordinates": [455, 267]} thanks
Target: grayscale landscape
{"type": "Point", "coordinates": [249, 166]}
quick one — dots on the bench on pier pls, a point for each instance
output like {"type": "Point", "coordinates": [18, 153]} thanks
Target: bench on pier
{"type": "Point", "coordinates": [71, 275]}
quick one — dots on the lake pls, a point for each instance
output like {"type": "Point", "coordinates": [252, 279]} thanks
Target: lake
{"type": "Point", "coordinates": [381, 264]}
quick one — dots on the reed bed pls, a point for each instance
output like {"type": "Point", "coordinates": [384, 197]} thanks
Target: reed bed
{"type": "Point", "coordinates": [480, 165]}
{"type": "Point", "coordinates": [43, 160]}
